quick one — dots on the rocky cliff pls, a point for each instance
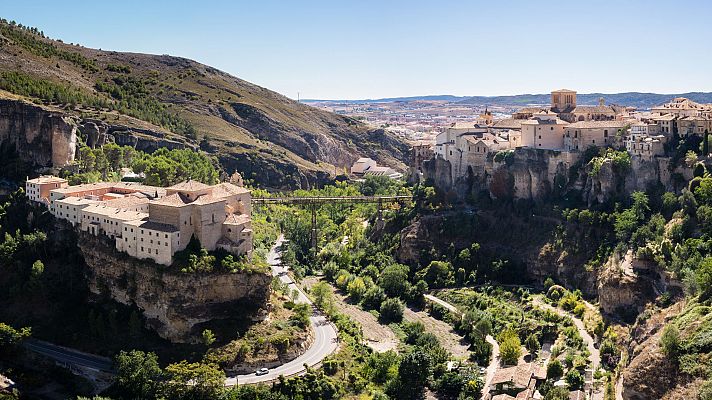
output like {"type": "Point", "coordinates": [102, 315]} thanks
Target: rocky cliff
{"type": "Point", "coordinates": [37, 135]}
{"type": "Point", "coordinates": [536, 174]}
{"type": "Point", "coordinates": [174, 304]}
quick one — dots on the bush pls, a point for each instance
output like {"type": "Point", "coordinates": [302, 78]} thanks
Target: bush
{"type": "Point", "coordinates": [670, 341]}
{"type": "Point", "coordinates": [554, 370]}
{"type": "Point", "coordinates": [392, 310]}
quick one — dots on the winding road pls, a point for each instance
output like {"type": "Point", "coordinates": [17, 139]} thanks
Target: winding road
{"type": "Point", "coordinates": [325, 335]}
{"type": "Point", "coordinates": [325, 341]}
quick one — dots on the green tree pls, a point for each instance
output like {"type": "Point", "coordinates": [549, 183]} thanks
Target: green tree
{"type": "Point", "coordinates": [193, 381]}
{"type": "Point", "coordinates": [137, 374]}
{"type": "Point", "coordinates": [532, 344]}
{"type": "Point", "coordinates": [373, 298]}
{"type": "Point", "coordinates": [301, 314]}
{"type": "Point", "coordinates": [510, 347]}
{"type": "Point", "coordinates": [11, 337]}
{"type": "Point", "coordinates": [321, 291]}
{"type": "Point", "coordinates": [437, 274]}
{"type": "Point", "coordinates": [356, 288]}
{"type": "Point", "coordinates": [574, 379]}
{"type": "Point", "coordinates": [554, 370]}
{"type": "Point", "coordinates": [557, 393]}
{"type": "Point", "coordinates": [394, 279]}
{"type": "Point", "coordinates": [413, 374]}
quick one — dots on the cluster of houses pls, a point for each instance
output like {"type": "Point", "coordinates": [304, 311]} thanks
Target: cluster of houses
{"type": "Point", "coordinates": [567, 127]}
{"type": "Point", "coordinates": [149, 222]}
{"type": "Point", "coordinates": [521, 382]}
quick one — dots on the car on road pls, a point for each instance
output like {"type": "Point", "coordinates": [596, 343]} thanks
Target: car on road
{"type": "Point", "coordinates": [262, 371]}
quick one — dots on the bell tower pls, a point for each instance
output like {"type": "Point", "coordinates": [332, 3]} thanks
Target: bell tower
{"type": "Point", "coordinates": [563, 100]}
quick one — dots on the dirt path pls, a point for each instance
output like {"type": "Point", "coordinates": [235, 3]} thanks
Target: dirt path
{"type": "Point", "coordinates": [493, 365]}
{"type": "Point", "coordinates": [595, 354]}
{"type": "Point", "coordinates": [448, 338]}
{"type": "Point", "coordinates": [376, 336]}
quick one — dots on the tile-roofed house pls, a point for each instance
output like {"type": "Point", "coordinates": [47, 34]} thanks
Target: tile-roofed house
{"type": "Point", "coordinates": [507, 123]}
{"type": "Point", "coordinates": [175, 199]}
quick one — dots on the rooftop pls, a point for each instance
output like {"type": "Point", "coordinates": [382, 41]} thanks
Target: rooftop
{"type": "Point", "coordinates": [237, 219]}
{"type": "Point", "coordinates": [43, 179]}
{"type": "Point", "coordinates": [144, 223]}
{"type": "Point", "coordinates": [189, 186]}
{"type": "Point", "coordinates": [597, 124]}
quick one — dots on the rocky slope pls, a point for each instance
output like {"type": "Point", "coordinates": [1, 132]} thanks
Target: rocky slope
{"type": "Point", "coordinates": [174, 304]}
{"type": "Point", "coordinates": [185, 101]}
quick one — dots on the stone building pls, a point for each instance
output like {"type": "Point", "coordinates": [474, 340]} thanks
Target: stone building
{"type": "Point", "coordinates": [545, 130]}
{"type": "Point", "coordinates": [563, 104]}
{"type": "Point", "coordinates": [578, 136]}
{"type": "Point", "coordinates": [153, 223]}
{"type": "Point", "coordinates": [38, 189]}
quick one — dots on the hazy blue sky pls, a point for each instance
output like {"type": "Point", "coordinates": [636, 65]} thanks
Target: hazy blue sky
{"type": "Point", "coordinates": [367, 49]}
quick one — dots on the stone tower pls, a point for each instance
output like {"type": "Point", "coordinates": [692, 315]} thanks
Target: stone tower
{"type": "Point", "coordinates": [563, 100]}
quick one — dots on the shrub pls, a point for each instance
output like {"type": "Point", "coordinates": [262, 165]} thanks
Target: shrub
{"type": "Point", "coordinates": [574, 379]}
{"type": "Point", "coordinates": [554, 370]}
{"type": "Point", "coordinates": [392, 310]}
{"type": "Point", "coordinates": [670, 341]}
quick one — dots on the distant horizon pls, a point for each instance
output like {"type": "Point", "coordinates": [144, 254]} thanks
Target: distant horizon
{"type": "Point", "coordinates": [370, 49]}
{"type": "Point", "coordinates": [508, 95]}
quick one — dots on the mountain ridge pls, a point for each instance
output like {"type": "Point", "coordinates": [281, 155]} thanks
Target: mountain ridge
{"type": "Point", "coordinates": [636, 99]}
{"type": "Point", "coordinates": [264, 135]}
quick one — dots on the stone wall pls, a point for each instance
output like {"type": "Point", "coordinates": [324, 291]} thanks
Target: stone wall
{"type": "Point", "coordinates": [174, 304]}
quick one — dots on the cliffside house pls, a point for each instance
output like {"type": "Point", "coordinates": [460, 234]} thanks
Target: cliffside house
{"type": "Point", "coordinates": [578, 136]}
{"type": "Point", "coordinates": [545, 130]}
{"type": "Point", "coordinates": [151, 222]}
{"type": "Point", "coordinates": [683, 117]}
{"type": "Point", "coordinates": [517, 382]}
{"type": "Point", "coordinates": [38, 189]}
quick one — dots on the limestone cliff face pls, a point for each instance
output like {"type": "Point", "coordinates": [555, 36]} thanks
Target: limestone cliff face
{"type": "Point", "coordinates": [625, 284]}
{"type": "Point", "coordinates": [536, 174]}
{"type": "Point", "coordinates": [174, 304]}
{"type": "Point", "coordinates": [531, 174]}
{"type": "Point", "coordinates": [39, 136]}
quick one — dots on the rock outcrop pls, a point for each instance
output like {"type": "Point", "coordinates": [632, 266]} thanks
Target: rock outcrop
{"type": "Point", "coordinates": [37, 135]}
{"type": "Point", "coordinates": [626, 284]}
{"type": "Point", "coordinates": [174, 304]}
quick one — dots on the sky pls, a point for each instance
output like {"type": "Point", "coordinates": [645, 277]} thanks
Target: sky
{"type": "Point", "coordinates": [363, 49]}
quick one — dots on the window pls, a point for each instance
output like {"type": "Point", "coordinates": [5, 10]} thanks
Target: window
{"type": "Point", "coordinates": [142, 232]}
{"type": "Point", "coordinates": [166, 236]}
{"type": "Point", "coordinates": [141, 248]}
{"type": "Point", "coordinates": [552, 128]}
{"type": "Point", "coordinates": [605, 133]}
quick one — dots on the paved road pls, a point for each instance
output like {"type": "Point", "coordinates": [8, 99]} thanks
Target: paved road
{"type": "Point", "coordinates": [325, 335]}
{"type": "Point", "coordinates": [70, 357]}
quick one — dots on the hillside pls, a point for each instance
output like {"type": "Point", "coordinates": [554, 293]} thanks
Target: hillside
{"type": "Point", "coordinates": [263, 135]}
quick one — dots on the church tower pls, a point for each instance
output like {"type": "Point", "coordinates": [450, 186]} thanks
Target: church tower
{"type": "Point", "coordinates": [563, 100]}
